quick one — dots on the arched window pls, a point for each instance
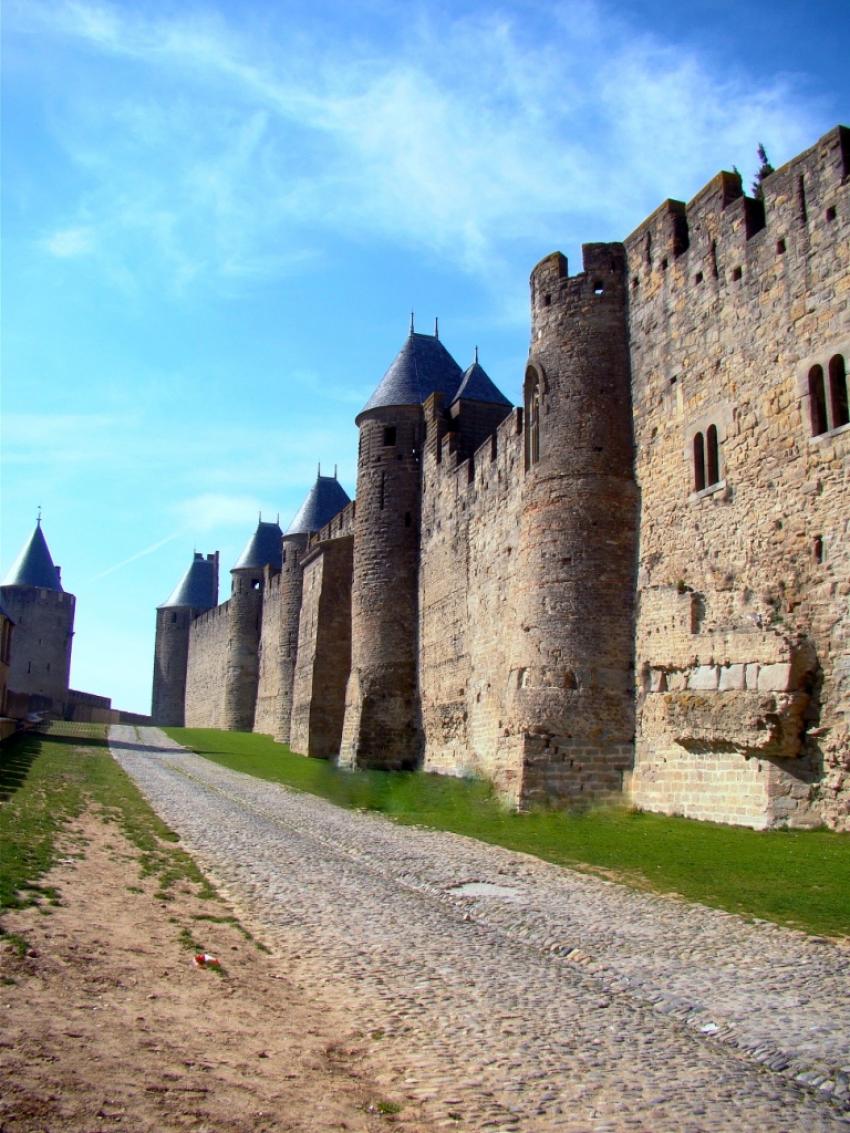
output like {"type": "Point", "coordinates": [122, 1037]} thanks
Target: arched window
{"type": "Point", "coordinates": [817, 401]}
{"type": "Point", "coordinates": [712, 456]}
{"type": "Point", "coordinates": [699, 462]}
{"type": "Point", "coordinates": [838, 391]}
{"type": "Point", "coordinates": [532, 417]}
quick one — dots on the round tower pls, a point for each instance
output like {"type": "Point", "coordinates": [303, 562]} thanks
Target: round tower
{"type": "Point", "coordinates": [43, 613]}
{"type": "Point", "coordinates": [381, 726]}
{"type": "Point", "coordinates": [325, 500]}
{"type": "Point", "coordinates": [197, 591]}
{"type": "Point", "coordinates": [245, 612]}
{"type": "Point", "coordinates": [573, 706]}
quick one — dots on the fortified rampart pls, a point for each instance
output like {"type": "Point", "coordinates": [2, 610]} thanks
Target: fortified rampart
{"type": "Point", "coordinates": [635, 585]}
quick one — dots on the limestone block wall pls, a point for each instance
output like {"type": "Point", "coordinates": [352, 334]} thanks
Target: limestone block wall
{"type": "Point", "coordinates": [467, 603]}
{"type": "Point", "coordinates": [207, 668]}
{"type": "Point", "coordinates": [743, 641]}
{"type": "Point", "coordinates": [270, 676]}
{"type": "Point", "coordinates": [40, 657]}
{"type": "Point", "coordinates": [171, 657]}
{"type": "Point", "coordinates": [324, 650]}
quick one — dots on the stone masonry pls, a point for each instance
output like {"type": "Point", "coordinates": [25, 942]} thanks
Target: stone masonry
{"type": "Point", "coordinates": [634, 586]}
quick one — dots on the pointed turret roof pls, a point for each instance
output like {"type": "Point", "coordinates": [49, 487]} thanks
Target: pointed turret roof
{"type": "Point", "coordinates": [325, 499]}
{"type": "Point", "coordinates": [423, 366]}
{"type": "Point", "coordinates": [477, 385]}
{"type": "Point", "coordinates": [34, 566]}
{"type": "Point", "coordinates": [198, 588]}
{"type": "Point", "coordinates": [263, 548]}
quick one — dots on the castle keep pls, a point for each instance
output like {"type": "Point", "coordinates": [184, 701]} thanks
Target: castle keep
{"type": "Point", "coordinates": [635, 585]}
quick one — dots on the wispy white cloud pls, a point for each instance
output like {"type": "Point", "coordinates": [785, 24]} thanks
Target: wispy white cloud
{"type": "Point", "coordinates": [67, 243]}
{"type": "Point", "coordinates": [211, 511]}
{"type": "Point", "coordinates": [234, 157]}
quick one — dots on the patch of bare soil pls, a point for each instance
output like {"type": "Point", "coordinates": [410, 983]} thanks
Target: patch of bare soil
{"type": "Point", "coordinates": [109, 1024]}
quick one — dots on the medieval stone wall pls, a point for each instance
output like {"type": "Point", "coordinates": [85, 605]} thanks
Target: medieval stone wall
{"type": "Point", "coordinates": [467, 602]}
{"type": "Point", "coordinates": [324, 650]}
{"type": "Point", "coordinates": [270, 676]}
{"type": "Point", "coordinates": [40, 661]}
{"type": "Point", "coordinates": [742, 631]}
{"type": "Point", "coordinates": [171, 657]}
{"type": "Point", "coordinates": [207, 668]}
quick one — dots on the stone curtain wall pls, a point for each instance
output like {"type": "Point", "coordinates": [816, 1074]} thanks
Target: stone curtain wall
{"type": "Point", "coordinates": [271, 655]}
{"type": "Point", "coordinates": [742, 634]}
{"type": "Point", "coordinates": [467, 602]}
{"type": "Point", "coordinates": [207, 668]}
{"type": "Point", "coordinates": [324, 650]}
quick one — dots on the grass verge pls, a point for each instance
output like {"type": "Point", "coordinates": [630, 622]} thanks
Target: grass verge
{"type": "Point", "coordinates": [49, 778]}
{"type": "Point", "coordinates": [797, 878]}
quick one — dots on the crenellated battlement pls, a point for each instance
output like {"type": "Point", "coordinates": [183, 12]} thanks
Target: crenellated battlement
{"type": "Point", "coordinates": [632, 585]}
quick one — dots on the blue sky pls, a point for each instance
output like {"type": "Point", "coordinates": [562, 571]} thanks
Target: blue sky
{"type": "Point", "coordinates": [218, 216]}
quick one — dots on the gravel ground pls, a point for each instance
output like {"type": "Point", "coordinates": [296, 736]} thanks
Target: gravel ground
{"type": "Point", "coordinates": [506, 993]}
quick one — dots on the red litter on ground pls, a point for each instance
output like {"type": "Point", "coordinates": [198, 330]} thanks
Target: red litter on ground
{"type": "Point", "coordinates": [204, 960]}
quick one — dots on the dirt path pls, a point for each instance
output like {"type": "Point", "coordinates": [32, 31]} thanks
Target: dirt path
{"type": "Point", "coordinates": [108, 1024]}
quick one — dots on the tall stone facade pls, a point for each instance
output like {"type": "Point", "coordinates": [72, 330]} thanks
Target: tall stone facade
{"type": "Point", "coordinates": [633, 586]}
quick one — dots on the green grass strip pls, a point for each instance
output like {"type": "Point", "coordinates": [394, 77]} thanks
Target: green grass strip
{"type": "Point", "coordinates": [799, 878]}
{"type": "Point", "coordinates": [49, 778]}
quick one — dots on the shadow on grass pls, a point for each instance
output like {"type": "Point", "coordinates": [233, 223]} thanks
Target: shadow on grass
{"type": "Point", "coordinates": [17, 756]}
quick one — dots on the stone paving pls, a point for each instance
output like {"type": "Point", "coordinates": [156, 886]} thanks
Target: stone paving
{"type": "Point", "coordinates": [504, 993]}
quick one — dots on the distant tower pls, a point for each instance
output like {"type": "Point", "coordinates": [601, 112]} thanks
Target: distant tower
{"type": "Point", "coordinates": [197, 591]}
{"type": "Point", "coordinates": [32, 596]}
{"type": "Point", "coordinates": [325, 499]}
{"type": "Point", "coordinates": [573, 697]}
{"type": "Point", "coordinates": [381, 727]}
{"type": "Point", "coordinates": [477, 409]}
{"type": "Point", "coordinates": [245, 613]}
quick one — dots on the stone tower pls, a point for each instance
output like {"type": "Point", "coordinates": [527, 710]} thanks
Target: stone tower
{"type": "Point", "coordinates": [381, 726]}
{"type": "Point", "coordinates": [325, 500]}
{"type": "Point", "coordinates": [245, 615]}
{"type": "Point", "coordinates": [197, 591]}
{"type": "Point", "coordinates": [573, 664]}
{"type": "Point", "coordinates": [43, 613]}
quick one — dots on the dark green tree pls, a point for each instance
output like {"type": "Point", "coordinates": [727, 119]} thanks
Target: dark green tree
{"type": "Point", "coordinates": [764, 170]}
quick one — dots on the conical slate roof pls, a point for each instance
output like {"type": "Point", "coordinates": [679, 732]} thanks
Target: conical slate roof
{"type": "Point", "coordinates": [423, 366]}
{"type": "Point", "coordinates": [263, 548]}
{"type": "Point", "coordinates": [325, 499]}
{"type": "Point", "coordinates": [198, 588]}
{"type": "Point", "coordinates": [34, 566]}
{"type": "Point", "coordinates": [476, 385]}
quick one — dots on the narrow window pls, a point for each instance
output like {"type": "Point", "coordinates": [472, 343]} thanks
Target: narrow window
{"type": "Point", "coordinates": [532, 417]}
{"type": "Point", "coordinates": [714, 270]}
{"type": "Point", "coordinates": [389, 435]}
{"type": "Point", "coordinates": [173, 618]}
{"type": "Point", "coordinates": [737, 273]}
{"type": "Point", "coordinates": [817, 548]}
{"type": "Point", "coordinates": [381, 493]}
{"type": "Point", "coordinates": [698, 277]}
{"type": "Point", "coordinates": [407, 519]}
{"type": "Point", "coordinates": [830, 213]}
{"type": "Point", "coordinates": [817, 401]}
{"type": "Point", "coordinates": [838, 391]}
{"type": "Point", "coordinates": [699, 462]}
{"type": "Point", "coordinates": [648, 249]}
{"type": "Point", "coordinates": [599, 287]}
{"type": "Point", "coordinates": [712, 455]}
{"type": "Point", "coordinates": [801, 199]}
{"type": "Point", "coordinates": [780, 247]}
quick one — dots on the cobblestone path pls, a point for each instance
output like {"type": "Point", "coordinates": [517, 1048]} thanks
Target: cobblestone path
{"type": "Point", "coordinates": [508, 994]}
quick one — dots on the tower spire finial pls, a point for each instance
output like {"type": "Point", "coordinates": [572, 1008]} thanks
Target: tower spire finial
{"type": "Point", "coordinates": [336, 466]}
{"type": "Point", "coordinates": [411, 322]}
{"type": "Point", "coordinates": [38, 517]}
{"type": "Point", "coordinates": [476, 355]}
{"type": "Point", "coordinates": [436, 327]}
{"type": "Point", "coordinates": [319, 471]}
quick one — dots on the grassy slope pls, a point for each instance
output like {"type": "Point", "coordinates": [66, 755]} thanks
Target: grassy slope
{"type": "Point", "coordinates": [46, 780]}
{"type": "Point", "coordinates": [800, 878]}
